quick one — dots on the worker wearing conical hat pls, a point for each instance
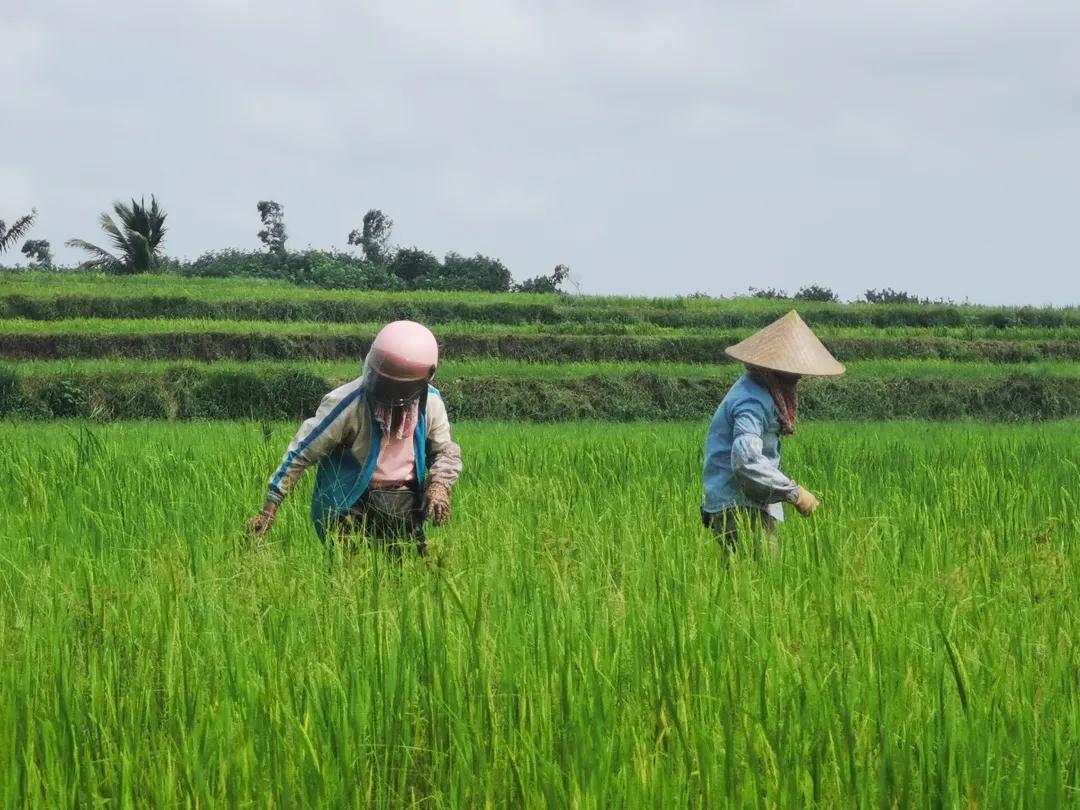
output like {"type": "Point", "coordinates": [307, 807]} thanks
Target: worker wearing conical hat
{"type": "Point", "coordinates": [743, 482]}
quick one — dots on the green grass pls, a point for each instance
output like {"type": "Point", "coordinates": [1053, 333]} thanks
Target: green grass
{"type": "Point", "coordinates": [107, 391]}
{"type": "Point", "coordinates": [199, 340]}
{"type": "Point", "coordinates": [574, 640]}
{"type": "Point", "coordinates": [141, 326]}
{"type": "Point", "coordinates": [248, 294]}
{"type": "Point", "coordinates": [521, 370]}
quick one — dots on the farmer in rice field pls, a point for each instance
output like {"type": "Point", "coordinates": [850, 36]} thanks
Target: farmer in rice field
{"type": "Point", "coordinates": [382, 444]}
{"type": "Point", "coordinates": [744, 487]}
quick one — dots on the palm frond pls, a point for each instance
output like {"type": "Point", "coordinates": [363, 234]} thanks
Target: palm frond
{"type": "Point", "coordinates": [136, 221]}
{"type": "Point", "coordinates": [117, 236]}
{"type": "Point", "coordinates": [17, 230]}
{"type": "Point", "coordinates": [100, 258]}
{"type": "Point", "coordinates": [135, 232]}
{"type": "Point", "coordinates": [125, 212]}
{"type": "Point", "coordinates": [141, 258]}
{"type": "Point", "coordinates": [157, 224]}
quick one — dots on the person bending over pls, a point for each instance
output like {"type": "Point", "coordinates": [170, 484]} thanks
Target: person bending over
{"type": "Point", "coordinates": [386, 461]}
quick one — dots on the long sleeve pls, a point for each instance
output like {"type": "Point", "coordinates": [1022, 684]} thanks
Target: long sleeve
{"type": "Point", "coordinates": [758, 477]}
{"type": "Point", "coordinates": [316, 437]}
{"type": "Point", "coordinates": [444, 455]}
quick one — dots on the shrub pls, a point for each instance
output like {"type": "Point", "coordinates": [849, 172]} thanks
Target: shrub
{"type": "Point", "coordinates": [768, 292]}
{"type": "Point", "coordinates": [230, 262]}
{"type": "Point", "coordinates": [413, 264]}
{"type": "Point", "coordinates": [888, 295]}
{"type": "Point", "coordinates": [330, 270]}
{"type": "Point", "coordinates": [10, 391]}
{"type": "Point", "coordinates": [64, 398]}
{"type": "Point", "coordinates": [342, 272]}
{"type": "Point", "coordinates": [476, 274]}
{"type": "Point", "coordinates": [545, 284]}
{"type": "Point", "coordinates": [816, 292]}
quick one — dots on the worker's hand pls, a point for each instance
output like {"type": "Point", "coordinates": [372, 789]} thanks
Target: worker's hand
{"type": "Point", "coordinates": [806, 503]}
{"type": "Point", "coordinates": [261, 523]}
{"type": "Point", "coordinates": [438, 503]}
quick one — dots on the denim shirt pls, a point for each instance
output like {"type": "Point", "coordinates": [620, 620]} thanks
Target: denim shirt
{"type": "Point", "coordinates": [742, 453]}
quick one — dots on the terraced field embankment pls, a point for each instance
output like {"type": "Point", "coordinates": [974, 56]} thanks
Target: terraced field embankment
{"type": "Point", "coordinates": [164, 347]}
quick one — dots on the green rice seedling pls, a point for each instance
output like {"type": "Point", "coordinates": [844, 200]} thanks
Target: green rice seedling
{"type": "Point", "coordinates": [574, 638]}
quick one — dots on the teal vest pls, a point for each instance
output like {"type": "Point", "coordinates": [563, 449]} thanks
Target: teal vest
{"type": "Point", "coordinates": [342, 479]}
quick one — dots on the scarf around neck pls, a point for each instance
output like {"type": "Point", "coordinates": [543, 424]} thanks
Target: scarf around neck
{"type": "Point", "coordinates": [784, 390]}
{"type": "Point", "coordinates": [397, 422]}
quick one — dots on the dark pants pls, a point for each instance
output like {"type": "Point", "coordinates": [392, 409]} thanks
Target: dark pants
{"type": "Point", "coordinates": [390, 518]}
{"type": "Point", "coordinates": [733, 526]}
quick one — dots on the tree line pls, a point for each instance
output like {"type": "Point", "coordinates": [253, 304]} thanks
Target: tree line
{"type": "Point", "coordinates": [136, 233]}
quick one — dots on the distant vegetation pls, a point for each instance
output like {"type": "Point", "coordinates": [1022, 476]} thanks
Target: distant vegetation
{"type": "Point", "coordinates": [135, 237]}
{"type": "Point", "coordinates": [136, 233]}
{"type": "Point", "coordinates": [171, 346]}
{"type": "Point", "coordinates": [10, 234]}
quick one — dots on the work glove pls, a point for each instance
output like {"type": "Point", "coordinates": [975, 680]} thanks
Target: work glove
{"type": "Point", "coordinates": [806, 503]}
{"type": "Point", "coordinates": [261, 523]}
{"type": "Point", "coordinates": [438, 503]}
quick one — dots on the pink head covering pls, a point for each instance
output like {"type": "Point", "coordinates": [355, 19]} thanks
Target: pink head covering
{"type": "Point", "coordinates": [404, 351]}
{"type": "Point", "coordinates": [401, 362]}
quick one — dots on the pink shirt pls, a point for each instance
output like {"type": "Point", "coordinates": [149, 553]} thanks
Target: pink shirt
{"type": "Point", "coordinates": [396, 465]}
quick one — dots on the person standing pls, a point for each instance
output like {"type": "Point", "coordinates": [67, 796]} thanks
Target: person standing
{"type": "Point", "coordinates": [386, 460]}
{"type": "Point", "coordinates": [744, 485]}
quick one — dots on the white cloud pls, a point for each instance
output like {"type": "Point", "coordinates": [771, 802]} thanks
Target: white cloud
{"type": "Point", "coordinates": [655, 147]}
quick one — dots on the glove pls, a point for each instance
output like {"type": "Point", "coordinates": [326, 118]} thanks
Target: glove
{"type": "Point", "coordinates": [438, 503]}
{"type": "Point", "coordinates": [806, 503]}
{"type": "Point", "coordinates": [261, 523]}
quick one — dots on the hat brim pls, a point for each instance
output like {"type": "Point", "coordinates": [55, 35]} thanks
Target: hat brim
{"type": "Point", "coordinates": [816, 369]}
{"type": "Point", "coordinates": [787, 345]}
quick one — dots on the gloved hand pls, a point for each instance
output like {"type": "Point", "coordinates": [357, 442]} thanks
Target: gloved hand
{"type": "Point", "coordinates": [806, 503]}
{"type": "Point", "coordinates": [261, 523]}
{"type": "Point", "coordinates": [438, 503]}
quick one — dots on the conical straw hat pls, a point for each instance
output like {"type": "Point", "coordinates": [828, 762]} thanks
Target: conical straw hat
{"type": "Point", "coordinates": [787, 345]}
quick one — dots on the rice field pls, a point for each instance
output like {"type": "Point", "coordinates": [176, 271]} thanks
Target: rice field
{"type": "Point", "coordinates": [110, 327]}
{"type": "Point", "coordinates": [574, 639]}
{"type": "Point", "coordinates": [721, 373]}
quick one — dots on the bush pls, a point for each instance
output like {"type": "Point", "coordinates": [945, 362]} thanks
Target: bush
{"type": "Point", "coordinates": [413, 264]}
{"type": "Point", "coordinates": [551, 284]}
{"type": "Point", "coordinates": [815, 292]}
{"type": "Point", "coordinates": [410, 268]}
{"type": "Point", "coordinates": [770, 293]}
{"type": "Point", "coordinates": [64, 398]}
{"type": "Point", "coordinates": [476, 274]}
{"type": "Point", "coordinates": [888, 295]}
{"type": "Point", "coordinates": [11, 395]}
{"type": "Point", "coordinates": [329, 270]}
{"type": "Point", "coordinates": [234, 263]}
{"type": "Point", "coordinates": [342, 272]}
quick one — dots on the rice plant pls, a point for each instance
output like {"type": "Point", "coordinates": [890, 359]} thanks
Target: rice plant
{"type": "Point", "coordinates": [574, 638]}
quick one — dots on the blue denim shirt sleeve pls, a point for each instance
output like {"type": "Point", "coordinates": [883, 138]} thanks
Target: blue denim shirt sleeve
{"type": "Point", "coordinates": [758, 477]}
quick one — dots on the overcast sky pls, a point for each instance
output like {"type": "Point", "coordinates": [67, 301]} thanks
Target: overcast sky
{"type": "Point", "coordinates": [660, 147]}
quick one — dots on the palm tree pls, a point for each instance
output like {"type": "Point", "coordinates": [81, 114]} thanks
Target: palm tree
{"type": "Point", "coordinates": [9, 236]}
{"type": "Point", "coordinates": [136, 241]}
